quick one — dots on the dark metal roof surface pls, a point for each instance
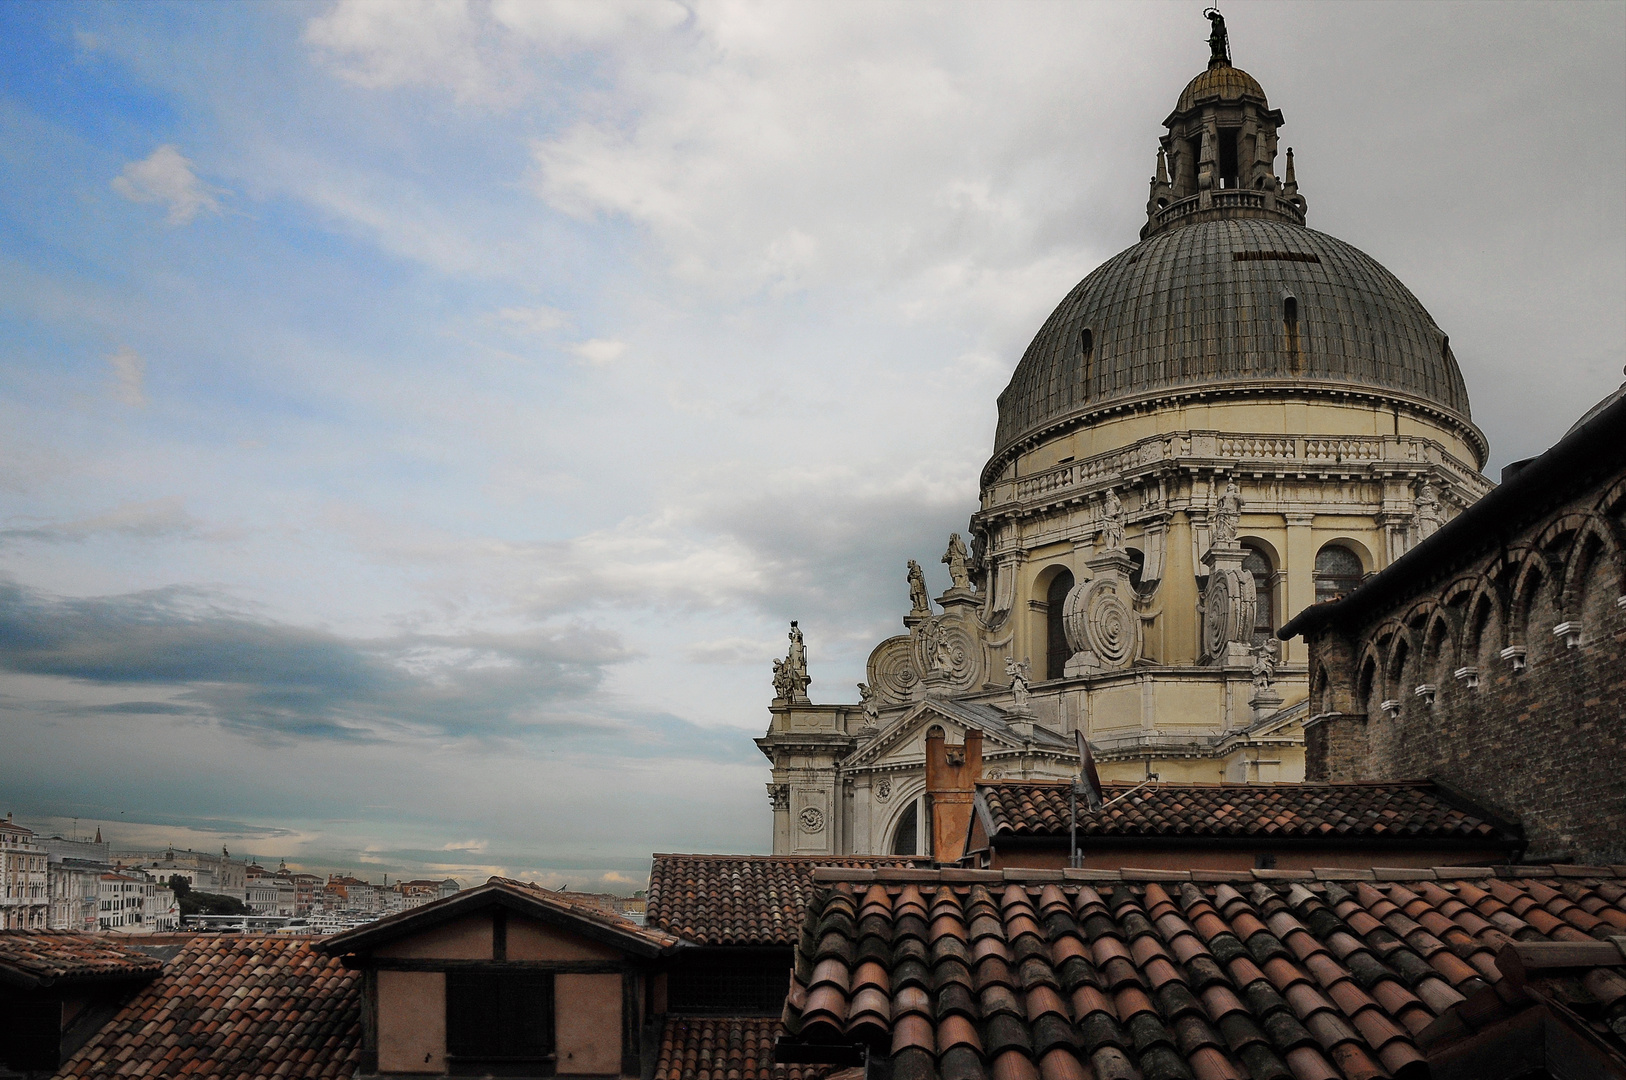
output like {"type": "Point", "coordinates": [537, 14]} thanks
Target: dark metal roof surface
{"type": "Point", "coordinates": [1181, 310]}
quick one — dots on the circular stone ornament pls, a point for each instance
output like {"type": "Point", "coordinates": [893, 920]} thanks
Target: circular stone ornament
{"type": "Point", "coordinates": [812, 819]}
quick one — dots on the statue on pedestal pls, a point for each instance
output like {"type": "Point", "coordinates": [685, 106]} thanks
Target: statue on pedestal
{"type": "Point", "coordinates": [790, 680]}
{"type": "Point", "coordinates": [1265, 659]}
{"type": "Point", "coordinates": [872, 708]}
{"type": "Point", "coordinates": [1021, 675]}
{"type": "Point", "coordinates": [1426, 516]}
{"type": "Point", "coordinates": [1112, 522]}
{"type": "Point", "coordinates": [958, 559]}
{"type": "Point", "coordinates": [920, 601]}
{"type": "Point", "coordinates": [1228, 514]}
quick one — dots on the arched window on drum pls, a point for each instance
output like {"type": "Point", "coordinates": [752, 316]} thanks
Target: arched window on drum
{"type": "Point", "coordinates": [1055, 600]}
{"type": "Point", "coordinates": [1257, 563]}
{"type": "Point", "coordinates": [906, 838]}
{"type": "Point", "coordinates": [1337, 572]}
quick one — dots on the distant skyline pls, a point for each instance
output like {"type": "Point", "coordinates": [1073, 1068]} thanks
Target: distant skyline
{"type": "Point", "coordinates": [419, 422]}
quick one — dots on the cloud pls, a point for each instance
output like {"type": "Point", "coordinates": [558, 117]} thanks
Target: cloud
{"type": "Point", "coordinates": [731, 650]}
{"type": "Point", "coordinates": [150, 520]}
{"type": "Point", "coordinates": [273, 681]}
{"type": "Point", "coordinates": [166, 176]}
{"type": "Point", "coordinates": [473, 846]}
{"type": "Point", "coordinates": [600, 350]}
{"type": "Point", "coordinates": [533, 320]}
{"type": "Point", "coordinates": [479, 52]}
{"type": "Point", "coordinates": [129, 377]}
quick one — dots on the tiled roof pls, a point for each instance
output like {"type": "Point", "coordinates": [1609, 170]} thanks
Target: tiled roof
{"type": "Point", "coordinates": [725, 1048]}
{"type": "Point", "coordinates": [1411, 811]}
{"type": "Point", "coordinates": [740, 899]}
{"type": "Point", "coordinates": [581, 906]}
{"type": "Point", "coordinates": [238, 1007]}
{"type": "Point", "coordinates": [1309, 975]}
{"type": "Point", "coordinates": [41, 957]}
{"type": "Point", "coordinates": [510, 892]}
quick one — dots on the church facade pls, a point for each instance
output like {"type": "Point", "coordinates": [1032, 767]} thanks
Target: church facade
{"type": "Point", "coordinates": [1223, 424]}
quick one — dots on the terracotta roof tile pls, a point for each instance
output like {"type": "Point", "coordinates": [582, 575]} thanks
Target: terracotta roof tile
{"type": "Point", "coordinates": [238, 1007]}
{"type": "Point", "coordinates": [37, 957]}
{"type": "Point", "coordinates": [740, 899]}
{"type": "Point", "coordinates": [1308, 980]}
{"type": "Point", "coordinates": [1412, 810]}
{"type": "Point", "coordinates": [725, 1048]}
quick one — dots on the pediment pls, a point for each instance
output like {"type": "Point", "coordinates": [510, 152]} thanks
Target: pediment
{"type": "Point", "coordinates": [905, 736]}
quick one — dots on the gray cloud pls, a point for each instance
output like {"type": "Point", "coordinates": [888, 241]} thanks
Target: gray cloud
{"type": "Point", "coordinates": [149, 520]}
{"type": "Point", "coordinates": [278, 681]}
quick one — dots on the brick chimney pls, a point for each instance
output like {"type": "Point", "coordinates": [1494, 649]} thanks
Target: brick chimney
{"type": "Point", "coordinates": [952, 773]}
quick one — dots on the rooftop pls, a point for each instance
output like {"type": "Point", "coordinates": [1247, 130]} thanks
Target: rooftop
{"type": "Point", "coordinates": [1369, 811]}
{"type": "Point", "coordinates": [1308, 975]}
{"type": "Point", "coordinates": [522, 897]}
{"type": "Point", "coordinates": [740, 899]}
{"type": "Point", "coordinates": [725, 1048]}
{"type": "Point", "coordinates": [43, 957]}
{"type": "Point", "coordinates": [234, 1007]}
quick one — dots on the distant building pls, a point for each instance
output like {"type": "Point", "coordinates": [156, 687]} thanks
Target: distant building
{"type": "Point", "coordinates": [25, 899]}
{"type": "Point", "coordinates": [220, 874]}
{"type": "Point", "coordinates": [75, 886]}
{"type": "Point", "coordinates": [307, 894]}
{"type": "Point", "coordinates": [270, 892]}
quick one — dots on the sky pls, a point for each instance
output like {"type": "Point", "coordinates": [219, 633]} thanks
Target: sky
{"type": "Point", "coordinates": [419, 421]}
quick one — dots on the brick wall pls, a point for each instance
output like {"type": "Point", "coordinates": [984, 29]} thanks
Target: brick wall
{"type": "Point", "coordinates": [1545, 744]}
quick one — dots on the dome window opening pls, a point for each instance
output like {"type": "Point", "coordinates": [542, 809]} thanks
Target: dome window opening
{"type": "Point", "coordinates": [1056, 651]}
{"type": "Point", "coordinates": [1292, 338]}
{"type": "Point", "coordinates": [1086, 363]}
{"type": "Point", "coordinates": [1228, 172]}
{"type": "Point", "coordinates": [1264, 614]}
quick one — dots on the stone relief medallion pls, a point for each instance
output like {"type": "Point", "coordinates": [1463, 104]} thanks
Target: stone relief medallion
{"type": "Point", "coordinates": [948, 650]}
{"type": "Point", "coordinates": [883, 790]}
{"type": "Point", "coordinates": [1097, 619]}
{"type": "Point", "coordinates": [995, 774]}
{"type": "Point", "coordinates": [812, 819]}
{"type": "Point", "coordinates": [1228, 610]}
{"type": "Point", "coordinates": [892, 672]}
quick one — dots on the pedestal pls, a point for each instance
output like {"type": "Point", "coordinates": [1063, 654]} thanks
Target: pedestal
{"type": "Point", "coordinates": [1264, 701]}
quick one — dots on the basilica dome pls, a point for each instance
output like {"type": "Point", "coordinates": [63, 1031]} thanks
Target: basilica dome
{"type": "Point", "coordinates": [1236, 306]}
{"type": "Point", "coordinates": [1222, 82]}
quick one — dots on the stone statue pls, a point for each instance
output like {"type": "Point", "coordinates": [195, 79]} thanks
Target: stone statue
{"type": "Point", "coordinates": [1228, 514]}
{"type": "Point", "coordinates": [938, 650]}
{"type": "Point", "coordinates": [957, 559]}
{"type": "Point", "coordinates": [796, 659]}
{"type": "Point", "coordinates": [790, 674]}
{"type": "Point", "coordinates": [1427, 516]}
{"type": "Point", "coordinates": [783, 688]}
{"type": "Point", "coordinates": [920, 602]}
{"type": "Point", "coordinates": [1112, 522]}
{"type": "Point", "coordinates": [1021, 674]}
{"type": "Point", "coordinates": [1265, 659]}
{"type": "Point", "coordinates": [872, 708]}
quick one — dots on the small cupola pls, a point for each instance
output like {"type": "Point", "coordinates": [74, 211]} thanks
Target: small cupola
{"type": "Point", "coordinates": [1218, 158]}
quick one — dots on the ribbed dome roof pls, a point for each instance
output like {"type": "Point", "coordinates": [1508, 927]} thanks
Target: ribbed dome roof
{"type": "Point", "coordinates": [1222, 81]}
{"type": "Point", "coordinates": [1202, 306]}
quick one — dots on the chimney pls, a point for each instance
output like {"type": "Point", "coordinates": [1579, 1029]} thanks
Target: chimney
{"type": "Point", "coordinates": [952, 773]}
